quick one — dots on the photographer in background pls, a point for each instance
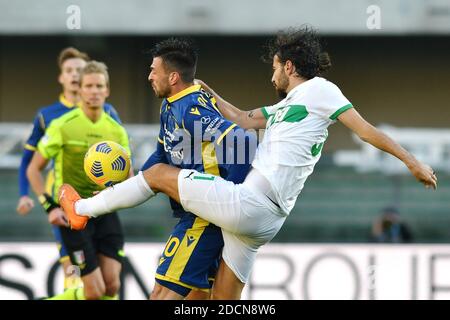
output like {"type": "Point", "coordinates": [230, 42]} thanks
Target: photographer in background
{"type": "Point", "coordinates": [389, 228]}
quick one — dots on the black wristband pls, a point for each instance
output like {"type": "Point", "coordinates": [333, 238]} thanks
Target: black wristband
{"type": "Point", "coordinates": [47, 202]}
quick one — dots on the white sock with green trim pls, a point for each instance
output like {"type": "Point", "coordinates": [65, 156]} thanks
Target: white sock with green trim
{"type": "Point", "coordinates": [127, 194]}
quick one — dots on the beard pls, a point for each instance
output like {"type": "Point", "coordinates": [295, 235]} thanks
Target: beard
{"type": "Point", "coordinates": [162, 92]}
{"type": "Point", "coordinates": [282, 86]}
{"type": "Point", "coordinates": [281, 93]}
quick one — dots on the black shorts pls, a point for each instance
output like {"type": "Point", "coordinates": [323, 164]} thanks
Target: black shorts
{"type": "Point", "coordinates": [102, 235]}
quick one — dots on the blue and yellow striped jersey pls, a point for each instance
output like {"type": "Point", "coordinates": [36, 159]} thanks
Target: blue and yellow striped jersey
{"type": "Point", "coordinates": [195, 135]}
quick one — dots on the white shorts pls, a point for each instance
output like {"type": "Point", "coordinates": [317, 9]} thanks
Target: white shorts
{"type": "Point", "coordinates": [248, 219]}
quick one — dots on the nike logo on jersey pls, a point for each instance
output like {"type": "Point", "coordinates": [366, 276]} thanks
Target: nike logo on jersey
{"type": "Point", "coordinates": [190, 239]}
{"type": "Point", "coordinates": [161, 261]}
{"type": "Point", "coordinates": [195, 111]}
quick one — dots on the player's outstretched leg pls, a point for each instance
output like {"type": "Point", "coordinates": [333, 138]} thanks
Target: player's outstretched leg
{"type": "Point", "coordinates": [209, 197]}
{"type": "Point", "coordinates": [127, 194]}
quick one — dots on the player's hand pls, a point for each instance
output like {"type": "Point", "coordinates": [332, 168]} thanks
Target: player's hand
{"type": "Point", "coordinates": [24, 205]}
{"type": "Point", "coordinates": [58, 218]}
{"type": "Point", "coordinates": [424, 174]}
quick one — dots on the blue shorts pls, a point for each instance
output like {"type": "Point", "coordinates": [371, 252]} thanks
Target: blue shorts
{"type": "Point", "coordinates": [191, 256]}
{"type": "Point", "coordinates": [63, 255]}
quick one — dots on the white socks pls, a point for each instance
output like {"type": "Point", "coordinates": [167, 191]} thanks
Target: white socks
{"type": "Point", "coordinates": [129, 193]}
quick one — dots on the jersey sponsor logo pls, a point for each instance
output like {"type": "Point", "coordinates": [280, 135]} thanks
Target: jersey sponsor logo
{"type": "Point", "coordinates": [214, 125]}
{"type": "Point", "coordinates": [175, 151]}
{"type": "Point", "coordinates": [174, 154]}
{"type": "Point", "coordinates": [206, 119]}
{"type": "Point", "coordinates": [195, 111]}
{"type": "Point", "coordinates": [316, 148]}
{"type": "Point", "coordinates": [168, 135]}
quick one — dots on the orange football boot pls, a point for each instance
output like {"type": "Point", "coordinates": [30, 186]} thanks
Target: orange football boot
{"type": "Point", "coordinates": [67, 198]}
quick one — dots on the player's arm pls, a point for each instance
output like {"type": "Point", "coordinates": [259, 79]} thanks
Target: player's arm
{"type": "Point", "coordinates": [48, 148]}
{"type": "Point", "coordinates": [25, 203]}
{"type": "Point", "coordinates": [34, 172]}
{"type": "Point", "coordinates": [368, 133]}
{"type": "Point", "coordinates": [243, 155]}
{"type": "Point", "coordinates": [158, 156]}
{"type": "Point", "coordinates": [253, 119]}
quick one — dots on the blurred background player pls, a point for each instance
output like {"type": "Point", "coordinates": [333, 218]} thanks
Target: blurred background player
{"type": "Point", "coordinates": [192, 253]}
{"type": "Point", "coordinates": [70, 62]}
{"type": "Point", "coordinates": [98, 250]}
{"type": "Point", "coordinates": [390, 228]}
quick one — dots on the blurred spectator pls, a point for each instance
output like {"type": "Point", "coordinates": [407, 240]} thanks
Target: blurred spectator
{"type": "Point", "coordinates": [389, 228]}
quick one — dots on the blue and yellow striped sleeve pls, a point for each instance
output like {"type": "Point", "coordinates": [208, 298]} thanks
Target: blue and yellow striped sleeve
{"type": "Point", "coordinates": [222, 141]}
{"type": "Point", "coordinates": [29, 148]}
{"type": "Point", "coordinates": [37, 133]}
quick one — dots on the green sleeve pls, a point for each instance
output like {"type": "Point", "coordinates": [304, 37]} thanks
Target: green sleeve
{"type": "Point", "coordinates": [51, 143]}
{"type": "Point", "coordinates": [268, 111]}
{"type": "Point", "coordinates": [265, 113]}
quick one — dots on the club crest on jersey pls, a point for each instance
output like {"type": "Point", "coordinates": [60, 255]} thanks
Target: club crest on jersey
{"type": "Point", "coordinates": [79, 258]}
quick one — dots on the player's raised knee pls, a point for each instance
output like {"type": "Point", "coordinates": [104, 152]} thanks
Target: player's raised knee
{"type": "Point", "coordinates": [160, 177]}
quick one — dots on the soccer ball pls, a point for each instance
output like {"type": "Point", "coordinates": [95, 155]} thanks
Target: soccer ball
{"type": "Point", "coordinates": [106, 163]}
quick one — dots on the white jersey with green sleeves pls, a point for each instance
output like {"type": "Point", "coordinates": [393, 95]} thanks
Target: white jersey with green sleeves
{"type": "Point", "coordinates": [295, 133]}
{"type": "Point", "coordinates": [67, 140]}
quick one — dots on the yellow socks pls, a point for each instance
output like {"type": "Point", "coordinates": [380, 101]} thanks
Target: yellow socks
{"type": "Point", "coordinates": [116, 297]}
{"type": "Point", "coordinates": [70, 294]}
{"type": "Point", "coordinates": [72, 282]}
{"type": "Point", "coordinates": [78, 294]}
